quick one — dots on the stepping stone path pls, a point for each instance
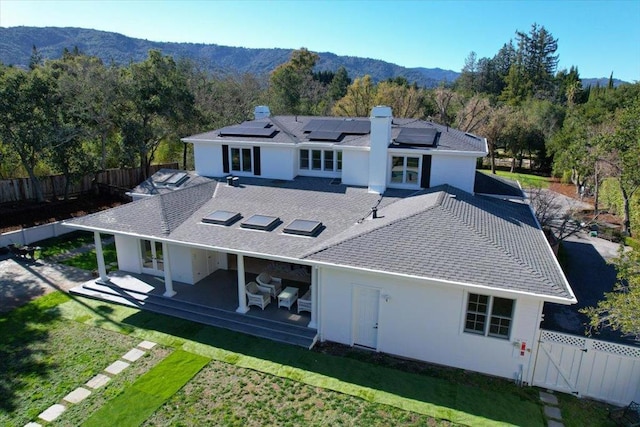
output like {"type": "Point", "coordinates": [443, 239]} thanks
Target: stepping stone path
{"type": "Point", "coordinates": [551, 409]}
{"type": "Point", "coordinates": [81, 393]}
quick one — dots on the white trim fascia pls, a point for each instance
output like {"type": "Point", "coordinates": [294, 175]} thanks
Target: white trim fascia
{"type": "Point", "coordinates": [437, 152]}
{"type": "Point", "coordinates": [555, 259]}
{"type": "Point", "coordinates": [240, 142]}
{"type": "Point", "coordinates": [352, 148]}
{"type": "Point", "coordinates": [494, 290]}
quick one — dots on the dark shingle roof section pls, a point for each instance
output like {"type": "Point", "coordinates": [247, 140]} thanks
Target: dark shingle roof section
{"type": "Point", "coordinates": [460, 238]}
{"type": "Point", "coordinates": [154, 216]}
{"type": "Point", "coordinates": [494, 185]}
{"type": "Point", "coordinates": [296, 130]}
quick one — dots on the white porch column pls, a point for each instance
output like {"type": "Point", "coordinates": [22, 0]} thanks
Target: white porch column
{"type": "Point", "coordinates": [166, 264]}
{"type": "Point", "coordinates": [314, 298]}
{"type": "Point", "coordinates": [242, 297]}
{"type": "Point", "coordinates": [102, 268]}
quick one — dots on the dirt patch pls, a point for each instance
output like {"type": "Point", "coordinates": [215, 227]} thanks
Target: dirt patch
{"type": "Point", "coordinates": [14, 216]}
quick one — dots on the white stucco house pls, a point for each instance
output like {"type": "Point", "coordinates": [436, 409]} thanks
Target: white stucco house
{"type": "Point", "coordinates": [392, 239]}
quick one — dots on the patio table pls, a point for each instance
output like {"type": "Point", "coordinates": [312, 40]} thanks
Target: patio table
{"type": "Point", "coordinates": [287, 297]}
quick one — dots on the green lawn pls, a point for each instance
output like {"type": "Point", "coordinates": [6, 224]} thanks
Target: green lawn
{"type": "Point", "coordinates": [55, 344]}
{"type": "Point", "coordinates": [64, 243]}
{"type": "Point", "coordinates": [525, 180]}
{"type": "Point", "coordinates": [88, 260]}
{"type": "Point", "coordinates": [44, 356]}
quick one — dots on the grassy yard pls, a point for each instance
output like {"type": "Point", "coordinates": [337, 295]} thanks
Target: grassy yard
{"type": "Point", "coordinates": [88, 260]}
{"type": "Point", "coordinates": [55, 344]}
{"type": "Point", "coordinates": [64, 243]}
{"type": "Point", "coordinates": [43, 357]}
{"type": "Point", "coordinates": [525, 180]}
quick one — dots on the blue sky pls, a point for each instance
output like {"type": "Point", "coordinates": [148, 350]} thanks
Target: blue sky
{"type": "Point", "coordinates": [599, 37]}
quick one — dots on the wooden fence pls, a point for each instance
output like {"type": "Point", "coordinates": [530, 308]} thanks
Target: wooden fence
{"type": "Point", "coordinates": [21, 189]}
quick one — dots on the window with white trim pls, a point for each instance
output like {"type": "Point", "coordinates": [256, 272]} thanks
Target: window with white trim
{"type": "Point", "coordinates": [405, 170]}
{"type": "Point", "coordinates": [241, 159]}
{"type": "Point", "coordinates": [489, 316]}
{"type": "Point", "coordinates": [321, 160]}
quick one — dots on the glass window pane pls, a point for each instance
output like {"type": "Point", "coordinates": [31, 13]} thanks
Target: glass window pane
{"type": "Point", "coordinates": [412, 170]}
{"type": "Point", "coordinates": [246, 160]}
{"type": "Point", "coordinates": [304, 159]}
{"type": "Point", "coordinates": [328, 160]}
{"type": "Point", "coordinates": [235, 159]}
{"type": "Point", "coordinates": [397, 169]}
{"type": "Point", "coordinates": [502, 307]}
{"type": "Point", "coordinates": [339, 161]}
{"type": "Point", "coordinates": [316, 159]}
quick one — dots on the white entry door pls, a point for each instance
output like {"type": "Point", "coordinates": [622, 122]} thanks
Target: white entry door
{"type": "Point", "coordinates": [152, 259]}
{"type": "Point", "coordinates": [366, 303]}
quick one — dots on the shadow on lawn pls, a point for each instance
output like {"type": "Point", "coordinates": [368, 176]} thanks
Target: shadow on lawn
{"type": "Point", "coordinates": [24, 332]}
{"type": "Point", "coordinates": [23, 350]}
{"type": "Point", "coordinates": [492, 398]}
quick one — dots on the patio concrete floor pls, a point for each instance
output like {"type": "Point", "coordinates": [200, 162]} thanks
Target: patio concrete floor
{"type": "Point", "coordinates": [219, 290]}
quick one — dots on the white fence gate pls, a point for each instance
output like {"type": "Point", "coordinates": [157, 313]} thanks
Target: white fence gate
{"type": "Point", "coordinates": [588, 368]}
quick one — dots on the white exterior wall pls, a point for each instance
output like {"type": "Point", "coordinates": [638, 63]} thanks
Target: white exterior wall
{"type": "Point", "coordinates": [355, 167]}
{"type": "Point", "coordinates": [458, 171]}
{"type": "Point", "coordinates": [278, 162]}
{"type": "Point", "coordinates": [208, 159]}
{"type": "Point", "coordinates": [425, 321]}
{"type": "Point", "coordinates": [128, 252]}
{"type": "Point", "coordinates": [188, 265]}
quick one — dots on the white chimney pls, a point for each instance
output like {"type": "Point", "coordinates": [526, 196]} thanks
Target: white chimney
{"type": "Point", "coordinates": [380, 139]}
{"type": "Point", "coordinates": [261, 111]}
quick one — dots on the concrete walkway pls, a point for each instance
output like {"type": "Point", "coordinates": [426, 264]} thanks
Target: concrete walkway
{"type": "Point", "coordinates": [551, 409]}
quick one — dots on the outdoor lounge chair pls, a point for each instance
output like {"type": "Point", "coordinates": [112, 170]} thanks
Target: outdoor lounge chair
{"type": "Point", "coordinates": [274, 284]}
{"type": "Point", "coordinates": [304, 302]}
{"type": "Point", "coordinates": [258, 295]}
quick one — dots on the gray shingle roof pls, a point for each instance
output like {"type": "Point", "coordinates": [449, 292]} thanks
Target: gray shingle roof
{"type": "Point", "coordinates": [486, 183]}
{"type": "Point", "coordinates": [290, 131]}
{"type": "Point", "coordinates": [441, 233]}
{"type": "Point", "coordinates": [456, 237]}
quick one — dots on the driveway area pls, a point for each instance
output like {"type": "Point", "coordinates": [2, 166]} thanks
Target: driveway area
{"type": "Point", "coordinates": [590, 276]}
{"type": "Point", "coordinates": [23, 280]}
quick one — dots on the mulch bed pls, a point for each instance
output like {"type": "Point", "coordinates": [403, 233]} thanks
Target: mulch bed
{"type": "Point", "coordinates": [14, 216]}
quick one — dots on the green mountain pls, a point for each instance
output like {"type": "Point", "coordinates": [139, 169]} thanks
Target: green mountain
{"type": "Point", "coordinates": [16, 45]}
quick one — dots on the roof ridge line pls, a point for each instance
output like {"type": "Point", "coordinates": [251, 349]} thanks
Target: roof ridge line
{"type": "Point", "coordinates": [364, 233]}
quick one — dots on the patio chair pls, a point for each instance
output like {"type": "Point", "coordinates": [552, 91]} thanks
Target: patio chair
{"type": "Point", "coordinates": [258, 295]}
{"type": "Point", "coordinates": [304, 302]}
{"type": "Point", "coordinates": [274, 284]}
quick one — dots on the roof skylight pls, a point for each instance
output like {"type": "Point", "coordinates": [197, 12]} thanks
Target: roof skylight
{"type": "Point", "coordinates": [261, 222]}
{"type": "Point", "coordinates": [304, 227]}
{"type": "Point", "coordinates": [222, 218]}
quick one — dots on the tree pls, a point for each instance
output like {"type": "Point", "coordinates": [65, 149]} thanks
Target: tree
{"type": "Point", "coordinates": [359, 99]}
{"type": "Point", "coordinates": [155, 100]}
{"type": "Point", "coordinates": [620, 309]}
{"type": "Point", "coordinates": [294, 89]}
{"type": "Point", "coordinates": [405, 101]}
{"type": "Point", "coordinates": [445, 98]}
{"type": "Point", "coordinates": [339, 84]}
{"type": "Point", "coordinates": [624, 145]}
{"type": "Point", "coordinates": [474, 114]}
{"type": "Point", "coordinates": [27, 108]}
{"type": "Point", "coordinates": [468, 81]}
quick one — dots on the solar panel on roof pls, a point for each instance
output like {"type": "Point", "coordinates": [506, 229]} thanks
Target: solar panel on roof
{"type": "Point", "coordinates": [346, 126]}
{"type": "Point", "coordinates": [418, 136]}
{"type": "Point", "coordinates": [261, 222]}
{"type": "Point", "coordinates": [304, 227]}
{"type": "Point", "coordinates": [222, 218]}
{"type": "Point", "coordinates": [321, 135]}
{"type": "Point", "coordinates": [248, 131]}
{"type": "Point", "coordinates": [255, 124]}
{"type": "Point", "coordinates": [355, 127]}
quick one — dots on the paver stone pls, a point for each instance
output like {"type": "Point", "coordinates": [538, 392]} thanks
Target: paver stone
{"type": "Point", "coordinates": [116, 367]}
{"type": "Point", "coordinates": [52, 412]}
